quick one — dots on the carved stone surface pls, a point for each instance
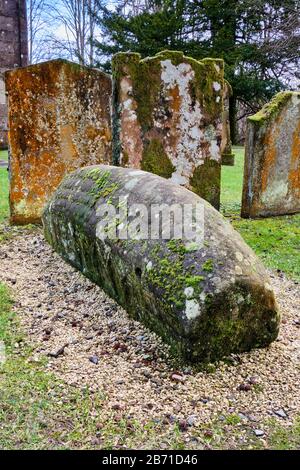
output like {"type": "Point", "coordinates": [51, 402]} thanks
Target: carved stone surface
{"type": "Point", "coordinates": [206, 300]}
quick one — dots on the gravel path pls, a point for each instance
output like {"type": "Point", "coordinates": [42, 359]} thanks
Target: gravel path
{"type": "Point", "coordinates": [90, 341]}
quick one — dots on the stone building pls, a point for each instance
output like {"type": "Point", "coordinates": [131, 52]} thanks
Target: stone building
{"type": "Point", "coordinates": [13, 50]}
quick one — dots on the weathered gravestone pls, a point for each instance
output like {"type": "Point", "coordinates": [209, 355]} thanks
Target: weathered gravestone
{"type": "Point", "coordinates": [272, 160]}
{"type": "Point", "coordinates": [167, 114]}
{"type": "Point", "coordinates": [205, 299]}
{"type": "Point", "coordinates": [226, 146]}
{"type": "Point", "coordinates": [59, 120]}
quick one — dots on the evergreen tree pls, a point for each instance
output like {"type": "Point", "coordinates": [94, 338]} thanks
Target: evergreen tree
{"type": "Point", "coordinates": [259, 41]}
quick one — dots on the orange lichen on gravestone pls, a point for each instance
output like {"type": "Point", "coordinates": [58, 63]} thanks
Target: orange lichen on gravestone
{"type": "Point", "coordinates": [59, 120]}
{"type": "Point", "coordinates": [272, 163]}
{"type": "Point", "coordinates": [294, 175]}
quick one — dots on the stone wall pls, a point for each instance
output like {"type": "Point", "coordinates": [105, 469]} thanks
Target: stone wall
{"type": "Point", "coordinates": [272, 159]}
{"type": "Point", "coordinates": [13, 50]}
{"type": "Point", "coordinates": [167, 113]}
{"type": "Point", "coordinates": [59, 120]}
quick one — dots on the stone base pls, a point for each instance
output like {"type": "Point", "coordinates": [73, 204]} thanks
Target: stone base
{"type": "Point", "coordinates": [228, 159]}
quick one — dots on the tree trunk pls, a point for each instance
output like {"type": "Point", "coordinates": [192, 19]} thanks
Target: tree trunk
{"type": "Point", "coordinates": [233, 120]}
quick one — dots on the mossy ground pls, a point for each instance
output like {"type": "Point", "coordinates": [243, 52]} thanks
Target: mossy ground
{"type": "Point", "coordinates": [37, 411]}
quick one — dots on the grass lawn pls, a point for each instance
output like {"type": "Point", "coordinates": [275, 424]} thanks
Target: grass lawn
{"type": "Point", "coordinates": [3, 155]}
{"type": "Point", "coordinates": [3, 194]}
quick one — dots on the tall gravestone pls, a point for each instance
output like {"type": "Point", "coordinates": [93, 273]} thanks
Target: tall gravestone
{"type": "Point", "coordinates": [13, 50]}
{"type": "Point", "coordinates": [59, 120]}
{"type": "Point", "coordinates": [272, 161]}
{"type": "Point", "coordinates": [167, 114]}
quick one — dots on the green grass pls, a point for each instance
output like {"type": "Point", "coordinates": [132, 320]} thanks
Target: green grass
{"type": "Point", "coordinates": [276, 240]}
{"type": "Point", "coordinates": [285, 438]}
{"type": "Point", "coordinates": [3, 188]}
{"type": "Point", "coordinates": [4, 155]}
{"type": "Point", "coordinates": [232, 184]}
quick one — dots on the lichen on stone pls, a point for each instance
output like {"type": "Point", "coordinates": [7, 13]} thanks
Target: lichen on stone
{"type": "Point", "coordinates": [168, 115]}
{"type": "Point", "coordinates": [272, 108]}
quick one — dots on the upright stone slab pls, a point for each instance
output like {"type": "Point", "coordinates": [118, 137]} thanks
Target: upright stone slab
{"type": "Point", "coordinates": [207, 298]}
{"type": "Point", "coordinates": [272, 161]}
{"type": "Point", "coordinates": [167, 113]}
{"type": "Point", "coordinates": [59, 120]}
{"type": "Point", "coordinates": [226, 146]}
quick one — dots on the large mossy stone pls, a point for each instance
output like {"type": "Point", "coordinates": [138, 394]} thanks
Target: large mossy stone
{"type": "Point", "coordinates": [207, 300]}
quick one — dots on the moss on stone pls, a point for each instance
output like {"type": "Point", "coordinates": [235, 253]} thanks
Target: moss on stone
{"type": "Point", "coordinates": [148, 71]}
{"type": "Point", "coordinates": [271, 109]}
{"type": "Point", "coordinates": [170, 274]}
{"type": "Point", "coordinates": [141, 73]}
{"type": "Point", "coordinates": [206, 74]}
{"type": "Point", "coordinates": [155, 159]}
{"type": "Point", "coordinates": [102, 186]}
{"type": "Point", "coordinates": [208, 265]}
{"type": "Point", "coordinates": [176, 246]}
{"type": "Point", "coordinates": [227, 159]}
{"type": "Point", "coordinates": [205, 182]}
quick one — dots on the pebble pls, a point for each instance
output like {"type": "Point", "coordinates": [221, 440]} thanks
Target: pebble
{"type": "Point", "coordinates": [94, 359]}
{"type": "Point", "coordinates": [281, 413]}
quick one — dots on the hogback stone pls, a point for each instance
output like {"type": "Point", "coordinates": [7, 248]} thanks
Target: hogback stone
{"type": "Point", "coordinates": [205, 299]}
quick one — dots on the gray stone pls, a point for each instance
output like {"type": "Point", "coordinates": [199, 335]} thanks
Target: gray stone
{"type": "Point", "coordinates": [272, 158]}
{"type": "Point", "coordinates": [281, 413]}
{"type": "Point", "coordinates": [205, 299]}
